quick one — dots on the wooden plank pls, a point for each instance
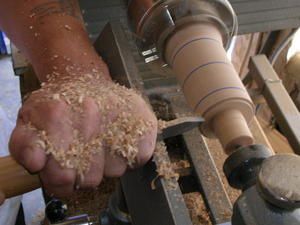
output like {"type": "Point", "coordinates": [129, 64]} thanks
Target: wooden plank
{"type": "Point", "coordinates": [278, 142]}
{"type": "Point", "coordinates": [259, 135]}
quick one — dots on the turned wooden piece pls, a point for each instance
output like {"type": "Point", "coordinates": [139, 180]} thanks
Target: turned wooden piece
{"type": "Point", "coordinates": [238, 133]}
{"type": "Point", "coordinates": [210, 83]}
{"type": "Point", "coordinates": [14, 179]}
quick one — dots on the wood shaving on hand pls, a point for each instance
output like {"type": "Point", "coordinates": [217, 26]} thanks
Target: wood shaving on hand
{"type": "Point", "coordinates": [120, 137]}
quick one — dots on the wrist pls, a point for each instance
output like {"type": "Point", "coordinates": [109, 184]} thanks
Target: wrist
{"type": "Point", "coordinates": [61, 64]}
{"type": "Point", "coordinates": [64, 50]}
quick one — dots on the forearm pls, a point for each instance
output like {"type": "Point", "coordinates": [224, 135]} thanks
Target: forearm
{"type": "Point", "coordinates": [51, 34]}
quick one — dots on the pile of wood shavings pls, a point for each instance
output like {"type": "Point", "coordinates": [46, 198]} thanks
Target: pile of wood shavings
{"type": "Point", "coordinates": [198, 212]}
{"type": "Point", "coordinates": [120, 136]}
{"type": "Point", "coordinates": [123, 136]}
{"type": "Point", "coordinates": [161, 124]}
{"type": "Point", "coordinates": [181, 164]}
{"type": "Point", "coordinates": [78, 156]}
{"type": "Point", "coordinates": [164, 166]}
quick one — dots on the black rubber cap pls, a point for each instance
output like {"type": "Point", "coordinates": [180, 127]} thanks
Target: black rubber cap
{"type": "Point", "coordinates": [241, 167]}
{"type": "Point", "coordinates": [56, 211]}
{"type": "Point", "coordinates": [279, 181]}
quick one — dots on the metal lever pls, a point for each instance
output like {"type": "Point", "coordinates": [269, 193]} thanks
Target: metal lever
{"type": "Point", "coordinates": [179, 126]}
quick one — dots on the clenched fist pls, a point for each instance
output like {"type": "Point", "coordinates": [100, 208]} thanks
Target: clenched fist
{"type": "Point", "coordinates": [75, 131]}
{"type": "Point", "coordinates": [80, 126]}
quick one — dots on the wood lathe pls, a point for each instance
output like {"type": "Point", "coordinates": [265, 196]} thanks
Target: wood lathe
{"type": "Point", "coordinates": [191, 37]}
{"type": "Point", "coordinates": [188, 39]}
{"type": "Point", "coordinates": [192, 44]}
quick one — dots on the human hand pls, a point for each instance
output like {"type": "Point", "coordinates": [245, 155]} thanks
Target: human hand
{"type": "Point", "coordinates": [75, 131]}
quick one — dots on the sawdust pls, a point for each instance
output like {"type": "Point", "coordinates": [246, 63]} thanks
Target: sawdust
{"type": "Point", "coordinates": [161, 124]}
{"type": "Point", "coordinates": [67, 27]}
{"type": "Point", "coordinates": [198, 212]}
{"type": "Point", "coordinates": [219, 158]}
{"type": "Point", "coordinates": [121, 134]}
{"type": "Point", "coordinates": [91, 202]}
{"type": "Point", "coordinates": [181, 164]}
{"type": "Point", "coordinates": [164, 166]}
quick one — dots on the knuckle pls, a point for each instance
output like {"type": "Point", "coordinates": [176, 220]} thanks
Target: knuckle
{"type": "Point", "coordinates": [143, 159]}
{"type": "Point", "coordinates": [58, 192]}
{"type": "Point", "coordinates": [12, 143]}
{"type": "Point", "coordinates": [22, 115]}
{"type": "Point", "coordinates": [53, 112]}
{"type": "Point", "coordinates": [146, 149]}
{"type": "Point", "coordinates": [92, 182]}
{"type": "Point", "coordinates": [62, 179]}
{"type": "Point", "coordinates": [115, 172]}
{"type": "Point", "coordinates": [32, 168]}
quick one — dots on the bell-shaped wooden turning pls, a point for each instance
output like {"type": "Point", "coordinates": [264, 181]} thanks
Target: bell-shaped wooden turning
{"type": "Point", "coordinates": [210, 83]}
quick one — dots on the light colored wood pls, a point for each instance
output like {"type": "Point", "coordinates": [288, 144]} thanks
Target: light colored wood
{"type": "Point", "coordinates": [209, 82]}
{"type": "Point", "coordinates": [259, 135]}
{"type": "Point", "coordinates": [219, 155]}
{"type": "Point", "coordinates": [238, 133]}
{"type": "Point", "coordinates": [278, 142]}
{"type": "Point", "coordinates": [14, 179]}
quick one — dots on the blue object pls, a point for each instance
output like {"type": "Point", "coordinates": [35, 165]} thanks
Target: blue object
{"type": "Point", "coordinates": [3, 49]}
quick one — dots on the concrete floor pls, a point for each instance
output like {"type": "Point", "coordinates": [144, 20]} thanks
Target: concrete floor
{"type": "Point", "coordinates": [10, 98]}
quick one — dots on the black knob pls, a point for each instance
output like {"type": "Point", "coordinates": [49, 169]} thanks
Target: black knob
{"type": "Point", "coordinates": [241, 167]}
{"type": "Point", "coordinates": [279, 181]}
{"type": "Point", "coordinates": [56, 211]}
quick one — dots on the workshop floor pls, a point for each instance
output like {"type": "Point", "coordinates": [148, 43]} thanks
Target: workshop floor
{"type": "Point", "coordinates": [10, 99]}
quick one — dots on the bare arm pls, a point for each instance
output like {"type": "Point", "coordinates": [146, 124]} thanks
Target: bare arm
{"type": "Point", "coordinates": [51, 34]}
{"type": "Point", "coordinates": [79, 122]}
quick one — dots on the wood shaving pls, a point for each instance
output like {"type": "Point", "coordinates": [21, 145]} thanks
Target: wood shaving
{"type": "Point", "coordinates": [56, 97]}
{"type": "Point", "coordinates": [164, 166]}
{"type": "Point", "coordinates": [198, 212]}
{"type": "Point", "coordinates": [67, 27]}
{"type": "Point", "coordinates": [161, 124]}
{"type": "Point", "coordinates": [181, 164]}
{"type": "Point", "coordinates": [123, 136]}
{"type": "Point", "coordinates": [40, 143]}
{"type": "Point", "coordinates": [120, 136]}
